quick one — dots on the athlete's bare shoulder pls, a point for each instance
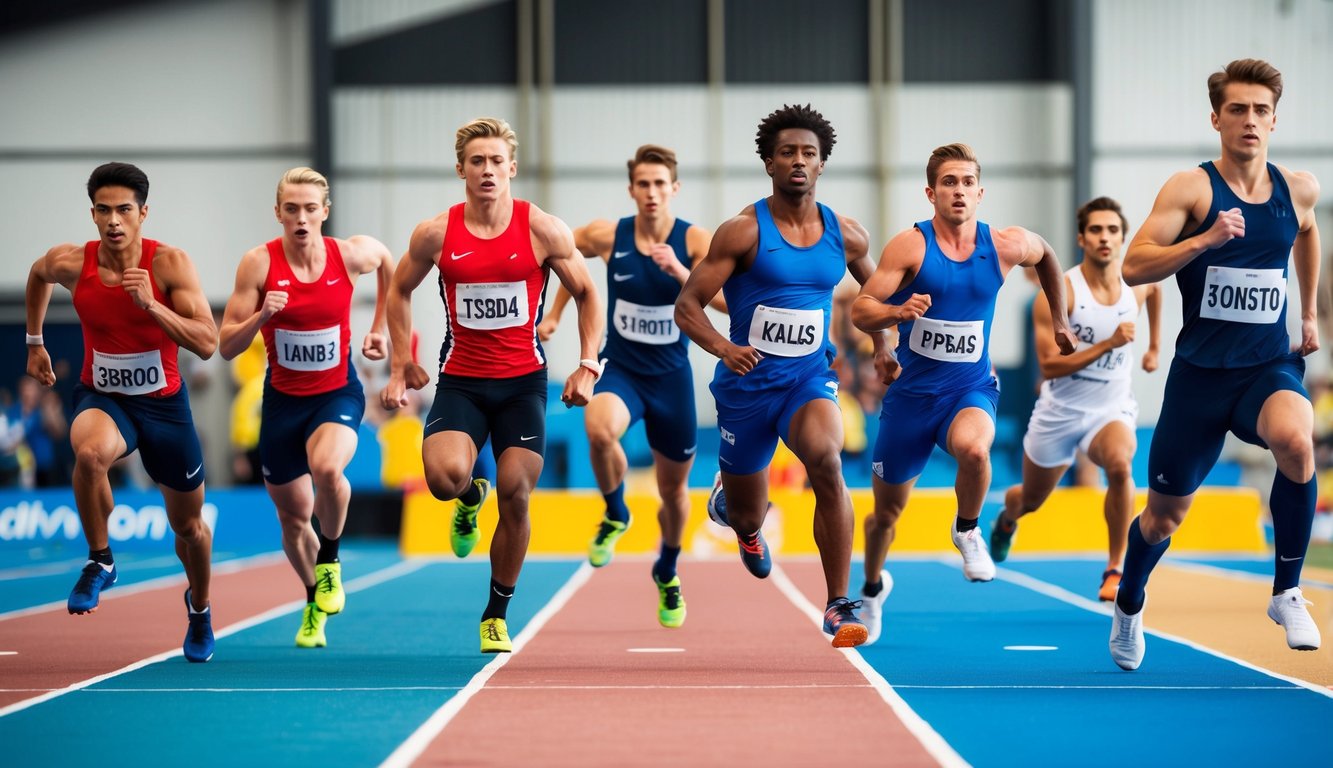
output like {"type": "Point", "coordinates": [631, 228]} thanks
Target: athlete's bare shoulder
{"type": "Point", "coordinates": [428, 238]}
{"type": "Point", "coordinates": [1304, 187]}
{"type": "Point", "coordinates": [551, 236]}
{"type": "Point", "coordinates": [855, 238]}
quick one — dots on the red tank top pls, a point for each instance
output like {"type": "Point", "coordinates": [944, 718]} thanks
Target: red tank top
{"type": "Point", "coordinates": [307, 341]}
{"type": "Point", "coordinates": [493, 293]}
{"type": "Point", "coordinates": [125, 351]}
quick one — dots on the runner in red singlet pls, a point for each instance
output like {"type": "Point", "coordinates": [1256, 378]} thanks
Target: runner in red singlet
{"type": "Point", "coordinates": [297, 291]}
{"type": "Point", "coordinates": [493, 254]}
{"type": "Point", "coordinates": [138, 301]}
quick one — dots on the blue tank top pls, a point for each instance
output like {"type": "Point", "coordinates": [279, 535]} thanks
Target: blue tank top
{"type": "Point", "coordinates": [641, 332]}
{"type": "Point", "coordinates": [781, 305]}
{"type": "Point", "coordinates": [1235, 297]}
{"type": "Point", "coordinates": [948, 349]}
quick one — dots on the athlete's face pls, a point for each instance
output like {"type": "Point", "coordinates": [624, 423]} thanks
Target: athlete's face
{"type": "Point", "coordinates": [302, 212]}
{"type": "Point", "coordinates": [118, 217]}
{"type": "Point", "coordinates": [957, 191]}
{"type": "Point", "coordinates": [487, 168]}
{"type": "Point", "coordinates": [795, 164]}
{"type": "Point", "coordinates": [652, 189]}
{"type": "Point", "coordinates": [1247, 117]}
{"type": "Point", "coordinates": [1103, 237]}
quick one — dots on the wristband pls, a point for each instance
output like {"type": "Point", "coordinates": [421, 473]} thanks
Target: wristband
{"type": "Point", "coordinates": [593, 365]}
{"type": "Point", "coordinates": [35, 340]}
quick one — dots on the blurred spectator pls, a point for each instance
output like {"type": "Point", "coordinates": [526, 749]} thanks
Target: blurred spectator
{"type": "Point", "coordinates": [247, 371]}
{"type": "Point", "coordinates": [39, 419]}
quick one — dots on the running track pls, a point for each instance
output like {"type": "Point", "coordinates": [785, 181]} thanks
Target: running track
{"type": "Point", "coordinates": [749, 679]}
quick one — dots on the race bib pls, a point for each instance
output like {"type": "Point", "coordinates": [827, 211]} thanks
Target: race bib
{"type": "Point", "coordinates": [1112, 365]}
{"type": "Point", "coordinates": [1244, 295]}
{"type": "Point", "coordinates": [948, 341]}
{"type": "Point", "coordinates": [488, 306]}
{"type": "Point", "coordinates": [308, 350]}
{"type": "Point", "coordinates": [787, 332]}
{"type": "Point", "coordinates": [137, 373]}
{"type": "Point", "coordinates": [646, 324]}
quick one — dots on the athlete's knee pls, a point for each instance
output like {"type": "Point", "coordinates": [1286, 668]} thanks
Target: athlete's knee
{"type": "Point", "coordinates": [1119, 468]}
{"type": "Point", "coordinates": [326, 475]}
{"type": "Point", "coordinates": [444, 484]}
{"type": "Point", "coordinates": [973, 455]}
{"type": "Point", "coordinates": [190, 529]}
{"type": "Point", "coordinates": [883, 516]}
{"type": "Point", "coordinates": [92, 460]}
{"type": "Point", "coordinates": [824, 467]}
{"type": "Point", "coordinates": [1292, 448]}
{"type": "Point", "coordinates": [601, 437]}
{"type": "Point", "coordinates": [1156, 525]}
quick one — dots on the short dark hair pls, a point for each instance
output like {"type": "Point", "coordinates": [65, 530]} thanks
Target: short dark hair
{"type": "Point", "coordinates": [955, 151]}
{"type": "Point", "coordinates": [793, 116]}
{"type": "Point", "coordinates": [119, 175]}
{"type": "Point", "coordinates": [654, 154]}
{"type": "Point", "coordinates": [1101, 204]}
{"type": "Point", "coordinates": [1255, 71]}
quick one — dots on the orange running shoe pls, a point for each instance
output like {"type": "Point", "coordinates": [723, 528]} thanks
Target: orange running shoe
{"type": "Point", "coordinates": [1110, 584]}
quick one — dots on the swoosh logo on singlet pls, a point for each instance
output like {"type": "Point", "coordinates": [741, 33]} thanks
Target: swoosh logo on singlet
{"type": "Point", "coordinates": [619, 254]}
{"type": "Point", "coordinates": [619, 278]}
{"type": "Point", "coordinates": [457, 256]}
{"type": "Point", "coordinates": [333, 281]}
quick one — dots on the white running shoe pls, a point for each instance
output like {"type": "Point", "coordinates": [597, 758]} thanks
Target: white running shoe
{"type": "Point", "coordinates": [872, 608]}
{"type": "Point", "coordinates": [1127, 639]}
{"type": "Point", "coordinates": [1288, 609]}
{"type": "Point", "coordinates": [717, 503]}
{"type": "Point", "coordinates": [977, 565]}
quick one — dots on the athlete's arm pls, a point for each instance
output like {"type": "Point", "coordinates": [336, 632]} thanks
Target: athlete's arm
{"type": "Point", "coordinates": [594, 240]}
{"type": "Point", "coordinates": [697, 241]}
{"type": "Point", "coordinates": [61, 265]}
{"type": "Point", "coordinates": [1306, 255]}
{"type": "Point", "coordinates": [1053, 363]}
{"type": "Point", "coordinates": [422, 250]}
{"type": "Point", "coordinates": [734, 241]}
{"type": "Point", "coordinates": [1018, 247]}
{"type": "Point", "coordinates": [1154, 254]}
{"type": "Point", "coordinates": [898, 264]}
{"type": "Point", "coordinates": [189, 321]}
{"type": "Point", "coordinates": [554, 245]}
{"type": "Point", "coordinates": [1153, 300]}
{"type": "Point", "coordinates": [856, 243]}
{"type": "Point", "coordinates": [363, 254]}
{"type": "Point", "coordinates": [249, 306]}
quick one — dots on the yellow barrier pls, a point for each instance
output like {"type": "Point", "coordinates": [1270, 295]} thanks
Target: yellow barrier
{"type": "Point", "coordinates": [1221, 520]}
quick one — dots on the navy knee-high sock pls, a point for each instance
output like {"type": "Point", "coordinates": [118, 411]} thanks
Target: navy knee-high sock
{"type": "Point", "coordinates": [1292, 505]}
{"type": "Point", "coordinates": [615, 505]}
{"type": "Point", "coordinates": [665, 568]}
{"type": "Point", "coordinates": [1140, 558]}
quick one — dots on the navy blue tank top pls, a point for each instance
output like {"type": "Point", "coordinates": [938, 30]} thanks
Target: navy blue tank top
{"type": "Point", "coordinates": [948, 348]}
{"type": "Point", "coordinates": [641, 331]}
{"type": "Point", "coordinates": [781, 305]}
{"type": "Point", "coordinates": [1235, 297]}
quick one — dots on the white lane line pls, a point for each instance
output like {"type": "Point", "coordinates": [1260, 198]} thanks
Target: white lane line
{"type": "Point", "coordinates": [421, 738]}
{"type": "Point", "coordinates": [930, 739]}
{"type": "Point", "coordinates": [369, 580]}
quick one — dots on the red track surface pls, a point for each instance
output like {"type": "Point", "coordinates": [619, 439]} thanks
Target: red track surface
{"type": "Point", "coordinates": [756, 680]}
{"type": "Point", "coordinates": [126, 628]}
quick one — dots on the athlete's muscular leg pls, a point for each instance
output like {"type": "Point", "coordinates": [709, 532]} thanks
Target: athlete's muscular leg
{"type": "Point", "coordinates": [1163, 516]}
{"type": "Point", "coordinates": [672, 485]}
{"type": "Point", "coordinates": [816, 439]}
{"type": "Point", "coordinates": [97, 444]}
{"type": "Point", "coordinates": [448, 458]}
{"type": "Point", "coordinates": [194, 540]}
{"type": "Point", "coordinates": [881, 525]}
{"type": "Point", "coordinates": [516, 475]}
{"type": "Point", "coordinates": [747, 500]}
{"type": "Point", "coordinates": [295, 502]}
{"type": "Point", "coordinates": [1286, 424]}
{"type": "Point", "coordinates": [329, 450]}
{"type": "Point", "coordinates": [1113, 450]}
{"type": "Point", "coordinates": [605, 419]}
{"type": "Point", "coordinates": [1038, 483]}
{"type": "Point", "coordinates": [969, 441]}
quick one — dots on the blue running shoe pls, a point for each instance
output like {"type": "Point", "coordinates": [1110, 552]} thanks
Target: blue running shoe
{"type": "Point", "coordinates": [88, 590]}
{"type": "Point", "coordinates": [199, 637]}
{"type": "Point", "coordinates": [754, 554]}
{"type": "Point", "coordinates": [840, 621]}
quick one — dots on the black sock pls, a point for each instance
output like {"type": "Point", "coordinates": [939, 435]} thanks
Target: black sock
{"type": "Point", "coordinates": [328, 550]}
{"type": "Point", "coordinates": [310, 593]}
{"type": "Point", "coordinates": [873, 590]}
{"type": "Point", "coordinates": [1292, 508]}
{"type": "Point", "coordinates": [472, 496]}
{"type": "Point", "coordinates": [101, 556]}
{"type": "Point", "coordinates": [963, 526]}
{"type": "Point", "coordinates": [498, 605]}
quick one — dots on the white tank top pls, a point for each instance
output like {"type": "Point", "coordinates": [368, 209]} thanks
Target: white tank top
{"type": "Point", "coordinates": [1105, 381]}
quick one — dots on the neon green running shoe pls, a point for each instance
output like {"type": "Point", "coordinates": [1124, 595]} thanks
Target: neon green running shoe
{"type": "Point", "coordinates": [670, 604]}
{"type": "Point", "coordinates": [495, 636]}
{"type": "Point", "coordinates": [603, 545]}
{"type": "Point", "coordinates": [311, 633]}
{"type": "Point", "coordinates": [1000, 539]}
{"type": "Point", "coordinates": [463, 535]}
{"type": "Point", "coordinates": [329, 595]}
